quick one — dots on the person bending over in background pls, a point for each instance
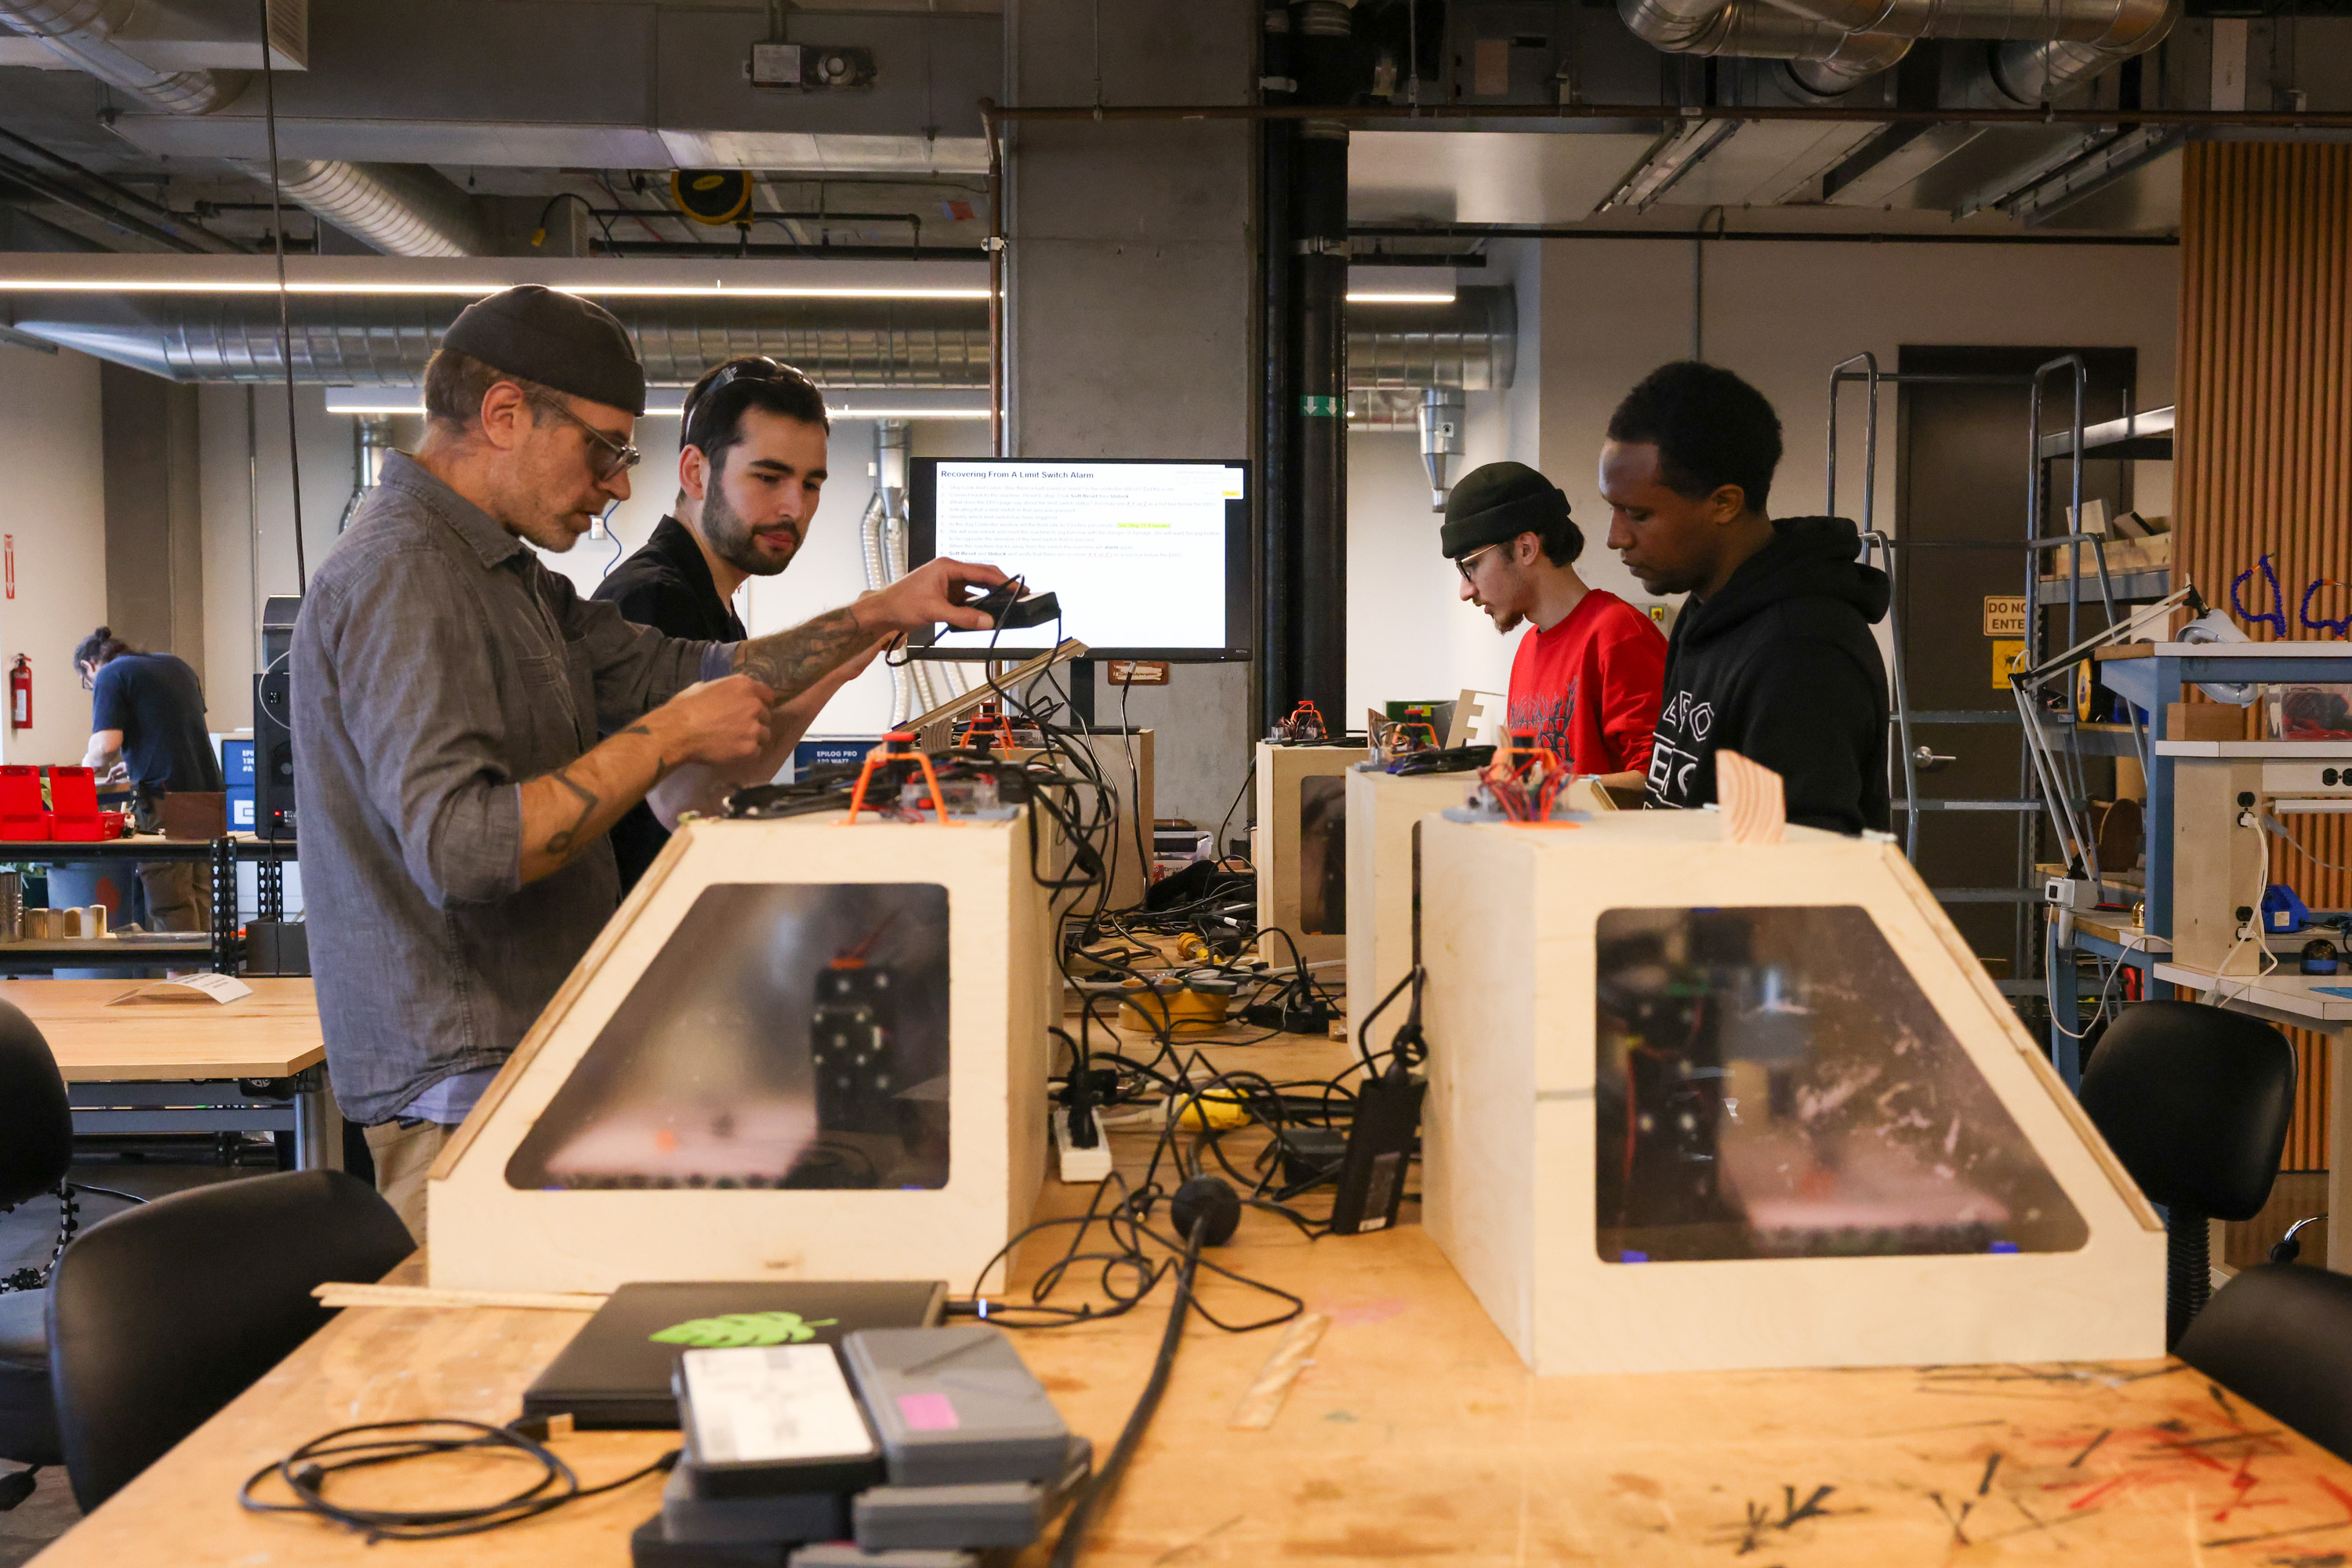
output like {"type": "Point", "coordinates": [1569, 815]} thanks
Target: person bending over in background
{"type": "Point", "coordinates": [1772, 654]}
{"type": "Point", "coordinates": [147, 717]}
{"type": "Point", "coordinates": [1586, 678]}
{"type": "Point", "coordinates": [750, 467]}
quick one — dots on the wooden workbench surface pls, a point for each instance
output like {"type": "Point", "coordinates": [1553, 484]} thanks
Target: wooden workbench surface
{"type": "Point", "coordinates": [274, 1033]}
{"type": "Point", "coordinates": [1414, 1435]}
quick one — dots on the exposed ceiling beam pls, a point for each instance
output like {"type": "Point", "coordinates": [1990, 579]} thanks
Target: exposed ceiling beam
{"type": "Point", "coordinates": [2133, 150]}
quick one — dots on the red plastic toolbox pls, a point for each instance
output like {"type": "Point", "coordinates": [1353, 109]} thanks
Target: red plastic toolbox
{"type": "Point", "coordinates": [73, 807]}
{"type": "Point", "coordinates": [23, 819]}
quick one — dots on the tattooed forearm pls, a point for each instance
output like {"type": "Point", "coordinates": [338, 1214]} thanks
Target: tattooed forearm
{"type": "Point", "coordinates": [566, 811]}
{"type": "Point", "coordinates": [793, 661]}
{"type": "Point", "coordinates": [563, 841]}
{"type": "Point", "coordinates": [663, 765]}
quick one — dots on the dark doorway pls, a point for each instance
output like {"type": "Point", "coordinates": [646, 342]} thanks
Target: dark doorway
{"type": "Point", "coordinates": [1961, 476]}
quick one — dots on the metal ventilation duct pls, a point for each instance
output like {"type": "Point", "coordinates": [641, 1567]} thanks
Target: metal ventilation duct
{"type": "Point", "coordinates": [1471, 342]}
{"type": "Point", "coordinates": [398, 212]}
{"type": "Point", "coordinates": [1825, 58]}
{"type": "Point", "coordinates": [386, 342]}
{"type": "Point", "coordinates": [2043, 48]}
{"type": "Point", "coordinates": [83, 31]}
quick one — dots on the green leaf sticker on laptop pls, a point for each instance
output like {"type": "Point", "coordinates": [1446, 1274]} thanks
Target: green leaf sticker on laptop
{"type": "Point", "coordinates": [732, 1331]}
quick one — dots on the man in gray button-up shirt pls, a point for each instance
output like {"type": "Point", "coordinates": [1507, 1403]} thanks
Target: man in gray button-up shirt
{"type": "Point", "coordinates": [448, 690]}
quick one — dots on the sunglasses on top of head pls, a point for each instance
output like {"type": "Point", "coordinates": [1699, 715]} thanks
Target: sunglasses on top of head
{"type": "Point", "coordinates": [758, 367]}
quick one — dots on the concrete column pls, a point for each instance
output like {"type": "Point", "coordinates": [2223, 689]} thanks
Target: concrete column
{"type": "Point", "coordinates": [1131, 296]}
{"type": "Point", "coordinates": [154, 522]}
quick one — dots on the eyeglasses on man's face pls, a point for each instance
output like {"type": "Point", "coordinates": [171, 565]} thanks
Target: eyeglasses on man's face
{"type": "Point", "coordinates": [1467, 565]}
{"type": "Point", "coordinates": [606, 457]}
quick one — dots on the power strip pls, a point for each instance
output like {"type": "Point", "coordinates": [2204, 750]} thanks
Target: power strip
{"type": "Point", "coordinates": [1080, 1164]}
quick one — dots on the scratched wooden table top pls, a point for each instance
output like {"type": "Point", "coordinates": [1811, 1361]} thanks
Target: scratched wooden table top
{"type": "Point", "coordinates": [1416, 1434]}
{"type": "Point", "coordinates": [274, 1033]}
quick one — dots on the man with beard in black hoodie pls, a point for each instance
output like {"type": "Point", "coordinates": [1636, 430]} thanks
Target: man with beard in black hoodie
{"type": "Point", "coordinates": [1772, 654]}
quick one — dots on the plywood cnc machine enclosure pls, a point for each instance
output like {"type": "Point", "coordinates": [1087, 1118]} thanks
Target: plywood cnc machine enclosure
{"type": "Point", "coordinates": [1302, 850]}
{"type": "Point", "coordinates": [1383, 811]}
{"type": "Point", "coordinates": [1695, 1104]}
{"type": "Point", "coordinates": [802, 1049]}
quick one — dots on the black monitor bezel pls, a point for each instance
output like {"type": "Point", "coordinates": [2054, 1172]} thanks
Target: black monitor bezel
{"type": "Point", "coordinates": [922, 504]}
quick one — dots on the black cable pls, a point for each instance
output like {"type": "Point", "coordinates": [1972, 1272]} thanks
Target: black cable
{"type": "Point", "coordinates": [107, 1193]}
{"type": "Point", "coordinates": [306, 1470]}
{"type": "Point", "coordinates": [539, 230]}
{"type": "Point", "coordinates": [1217, 850]}
{"type": "Point", "coordinates": [1364, 1030]}
{"type": "Point", "coordinates": [285, 321]}
{"type": "Point", "coordinates": [1106, 1481]}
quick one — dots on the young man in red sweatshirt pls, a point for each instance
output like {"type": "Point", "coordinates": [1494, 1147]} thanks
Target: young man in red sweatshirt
{"type": "Point", "coordinates": [1587, 678]}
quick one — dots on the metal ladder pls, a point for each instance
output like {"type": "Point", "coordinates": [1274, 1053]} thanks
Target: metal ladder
{"type": "Point", "coordinates": [1906, 761]}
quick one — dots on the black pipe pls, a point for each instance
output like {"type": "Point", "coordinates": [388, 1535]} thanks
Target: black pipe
{"type": "Point", "coordinates": [1649, 119]}
{"type": "Point", "coordinates": [1277, 670]}
{"type": "Point", "coordinates": [90, 207]}
{"type": "Point", "coordinates": [600, 246]}
{"type": "Point", "coordinates": [914, 220]}
{"type": "Point", "coordinates": [1554, 231]}
{"type": "Point", "coordinates": [120, 196]}
{"type": "Point", "coordinates": [1318, 264]}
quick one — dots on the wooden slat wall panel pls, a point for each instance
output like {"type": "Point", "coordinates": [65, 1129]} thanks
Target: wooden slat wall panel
{"type": "Point", "coordinates": [2263, 447]}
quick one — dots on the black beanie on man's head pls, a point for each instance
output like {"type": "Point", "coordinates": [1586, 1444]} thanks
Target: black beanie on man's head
{"type": "Point", "coordinates": [560, 341]}
{"type": "Point", "coordinates": [1495, 503]}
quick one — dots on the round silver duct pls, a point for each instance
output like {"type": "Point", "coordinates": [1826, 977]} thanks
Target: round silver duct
{"type": "Point", "coordinates": [1471, 342]}
{"type": "Point", "coordinates": [83, 31]}
{"type": "Point", "coordinates": [385, 341]}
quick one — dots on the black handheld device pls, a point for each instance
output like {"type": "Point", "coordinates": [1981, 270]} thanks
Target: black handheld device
{"type": "Point", "coordinates": [1012, 606]}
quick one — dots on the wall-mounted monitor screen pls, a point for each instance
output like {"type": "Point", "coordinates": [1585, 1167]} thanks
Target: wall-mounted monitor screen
{"type": "Point", "coordinates": [1148, 559]}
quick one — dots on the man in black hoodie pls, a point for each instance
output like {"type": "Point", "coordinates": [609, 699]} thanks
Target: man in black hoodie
{"type": "Point", "coordinates": [1772, 654]}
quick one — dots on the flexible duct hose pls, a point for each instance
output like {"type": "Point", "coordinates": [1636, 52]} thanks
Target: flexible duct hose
{"type": "Point", "coordinates": [877, 572]}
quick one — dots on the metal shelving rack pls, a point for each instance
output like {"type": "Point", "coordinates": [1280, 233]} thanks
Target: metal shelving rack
{"type": "Point", "coordinates": [220, 950]}
{"type": "Point", "coordinates": [1906, 760]}
{"type": "Point", "coordinates": [2139, 436]}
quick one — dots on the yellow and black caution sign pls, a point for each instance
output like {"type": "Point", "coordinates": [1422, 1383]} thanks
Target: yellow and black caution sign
{"type": "Point", "coordinates": [715, 196]}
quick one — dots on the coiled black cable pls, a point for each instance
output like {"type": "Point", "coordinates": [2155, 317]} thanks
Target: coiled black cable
{"type": "Point", "coordinates": [305, 1471]}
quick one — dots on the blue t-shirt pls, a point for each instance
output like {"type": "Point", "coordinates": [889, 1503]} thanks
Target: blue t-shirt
{"type": "Point", "coordinates": [155, 700]}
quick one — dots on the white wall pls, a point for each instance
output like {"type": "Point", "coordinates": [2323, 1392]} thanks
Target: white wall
{"type": "Point", "coordinates": [1410, 633]}
{"type": "Point", "coordinates": [55, 478]}
{"type": "Point", "coordinates": [240, 496]}
{"type": "Point", "coordinates": [1782, 315]}
{"type": "Point", "coordinates": [1608, 311]}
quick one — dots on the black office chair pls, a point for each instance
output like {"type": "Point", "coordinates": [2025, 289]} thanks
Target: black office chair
{"type": "Point", "coordinates": [36, 1153]}
{"type": "Point", "coordinates": [2195, 1101]}
{"type": "Point", "coordinates": [163, 1314]}
{"type": "Point", "coordinates": [2281, 1334]}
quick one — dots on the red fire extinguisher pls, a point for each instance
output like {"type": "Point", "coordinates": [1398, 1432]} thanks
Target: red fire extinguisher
{"type": "Point", "coordinates": [20, 694]}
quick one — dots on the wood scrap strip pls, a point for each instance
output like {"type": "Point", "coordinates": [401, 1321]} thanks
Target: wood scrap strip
{"type": "Point", "coordinates": [1262, 1401]}
{"type": "Point", "coordinates": [339, 1293]}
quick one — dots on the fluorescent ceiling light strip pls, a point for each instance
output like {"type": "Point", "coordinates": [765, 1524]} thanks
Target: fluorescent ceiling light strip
{"type": "Point", "coordinates": [1393, 298]}
{"type": "Point", "coordinates": [907, 412]}
{"type": "Point", "coordinates": [630, 291]}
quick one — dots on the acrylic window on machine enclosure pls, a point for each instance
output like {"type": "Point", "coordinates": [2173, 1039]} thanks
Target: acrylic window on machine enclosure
{"type": "Point", "coordinates": [1323, 855]}
{"type": "Point", "coordinates": [1770, 1082]}
{"type": "Point", "coordinates": [785, 1036]}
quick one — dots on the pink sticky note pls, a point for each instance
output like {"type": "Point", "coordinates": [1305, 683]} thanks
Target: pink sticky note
{"type": "Point", "coordinates": [929, 1412]}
